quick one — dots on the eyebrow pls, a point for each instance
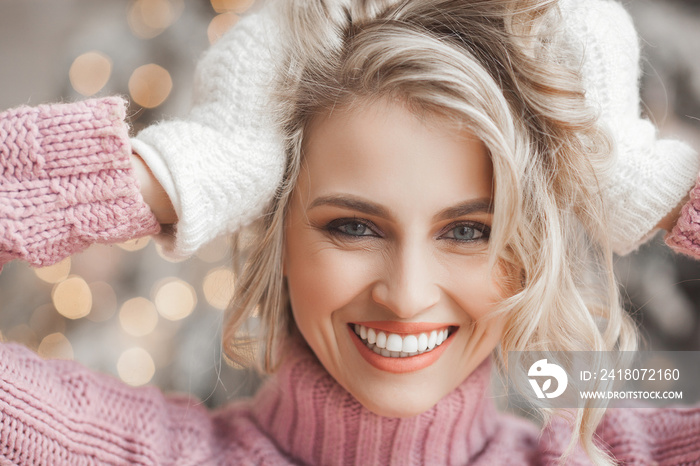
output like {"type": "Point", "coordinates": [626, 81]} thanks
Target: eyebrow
{"type": "Point", "coordinates": [479, 205]}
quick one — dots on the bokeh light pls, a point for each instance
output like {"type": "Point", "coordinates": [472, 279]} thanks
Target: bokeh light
{"type": "Point", "coordinates": [135, 366]}
{"type": "Point", "coordinates": [219, 25]}
{"type": "Point", "coordinates": [218, 287]}
{"type": "Point", "coordinates": [54, 273]}
{"type": "Point", "coordinates": [55, 346]}
{"type": "Point", "coordinates": [149, 18]}
{"type": "Point", "coordinates": [104, 302]}
{"type": "Point", "coordinates": [174, 298]}
{"type": "Point", "coordinates": [72, 298]}
{"type": "Point", "coordinates": [135, 244]}
{"type": "Point", "coordinates": [150, 85]}
{"type": "Point", "coordinates": [90, 72]}
{"type": "Point", "coordinates": [138, 317]}
{"type": "Point", "coordinates": [236, 6]}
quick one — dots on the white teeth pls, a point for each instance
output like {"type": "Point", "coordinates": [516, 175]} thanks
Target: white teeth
{"type": "Point", "coordinates": [381, 340]}
{"type": "Point", "coordinates": [410, 344]}
{"type": "Point", "coordinates": [432, 339]}
{"type": "Point", "coordinates": [392, 345]}
{"type": "Point", "coordinates": [394, 342]}
{"type": "Point", "coordinates": [422, 342]}
{"type": "Point", "coordinates": [371, 336]}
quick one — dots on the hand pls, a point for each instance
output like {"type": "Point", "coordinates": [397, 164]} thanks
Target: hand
{"type": "Point", "coordinates": [222, 163]}
{"type": "Point", "coordinates": [66, 181]}
{"type": "Point", "coordinates": [649, 178]}
{"type": "Point", "coordinates": [153, 193]}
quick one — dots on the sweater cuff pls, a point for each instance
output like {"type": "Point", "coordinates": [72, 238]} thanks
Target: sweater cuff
{"type": "Point", "coordinates": [685, 235]}
{"type": "Point", "coordinates": [66, 181]}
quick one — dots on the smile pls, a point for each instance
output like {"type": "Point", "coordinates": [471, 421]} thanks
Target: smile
{"type": "Point", "coordinates": [400, 347]}
{"type": "Point", "coordinates": [393, 345]}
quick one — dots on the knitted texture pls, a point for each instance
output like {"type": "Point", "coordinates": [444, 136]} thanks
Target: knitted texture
{"type": "Point", "coordinates": [58, 412]}
{"type": "Point", "coordinates": [648, 177]}
{"type": "Point", "coordinates": [221, 164]}
{"type": "Point", "coordinates": [685, 235]}
{"type": "Point", "coordinates": [66, 181]}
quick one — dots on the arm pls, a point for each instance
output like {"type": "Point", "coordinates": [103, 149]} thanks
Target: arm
{"type": "Point", "coordinates": [648, 177]}
{"type": "Point", "coordinates": [58, 412]}
{"type": "Point", "coordinates": [222, 163]}
{"type": "Point", "coordinates": [66, 181]}
{"type": "Point", "coordinates": [664, 436]}
{"type": "Point", "coordinates": [153, 193]}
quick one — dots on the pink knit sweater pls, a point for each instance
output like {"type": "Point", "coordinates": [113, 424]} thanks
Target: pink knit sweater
{"type": "Point", "coordinates": [58, 412]}
{"type": "Point", "coordinates": [65, 182]}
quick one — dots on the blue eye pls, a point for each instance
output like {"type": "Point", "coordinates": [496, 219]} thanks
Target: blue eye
{"type": "Point", "coordinates": [467, 233]}
{"type": "Point", "coordinates": [351, 228]}
{"type": "Point", "coordinates": [354, 229]}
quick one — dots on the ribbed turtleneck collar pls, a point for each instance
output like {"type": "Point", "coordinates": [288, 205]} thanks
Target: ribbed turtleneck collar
{"type": "Point", "coordinates": [316, 421]}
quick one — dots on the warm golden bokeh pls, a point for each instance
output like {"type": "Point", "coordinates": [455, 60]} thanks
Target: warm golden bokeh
{"type": "Point", "coordinates": [135, 244]}
{"type": "Point", "coordinates": [219, 25]}
{"type": "Point", "coordinates": [138, 317]}
{"type": "Point", "coordinates": [136, 367]}
{"type": "Point", "coordinates": [150, 85]}
{"type": "Point", "coordinates": [55, 346]}
{"type": "Point", "coordinates": [54, 273]}
{"type": "Point", "coordinates": [218, 287]}
{"type": "Point", "coordinates": [174, 298]}
{"type": "Point", "coordinates": [236, 6]}
{"type": "Point", "coordinates": [72, 298]}
{"type": "Point", "coordinates": [90, 72]}
{"type": "Point", "coordinates": [149, 18]}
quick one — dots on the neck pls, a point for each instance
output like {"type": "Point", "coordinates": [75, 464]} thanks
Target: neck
{"type": "Point", "coordinates": [315, 420]}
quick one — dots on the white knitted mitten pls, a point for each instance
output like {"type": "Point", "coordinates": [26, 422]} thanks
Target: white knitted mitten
{"type": "Point", "coordinates": [650, 176]}
{"type": "Point", "coordinates": [222, 163]}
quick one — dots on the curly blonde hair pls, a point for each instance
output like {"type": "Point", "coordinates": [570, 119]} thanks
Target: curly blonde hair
{"type": "Point", "coordinates": [505, 70]}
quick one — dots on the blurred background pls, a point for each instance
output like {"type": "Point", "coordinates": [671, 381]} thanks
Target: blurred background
{"type": "Point", "coordinates": [125, 309]}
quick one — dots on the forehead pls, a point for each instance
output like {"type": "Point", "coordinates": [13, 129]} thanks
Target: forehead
{"type": "Point", "coordinates": [384, 151]}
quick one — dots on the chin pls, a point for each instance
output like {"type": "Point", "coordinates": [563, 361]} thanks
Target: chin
{"type": "Point", "coordinates": [397, 405]}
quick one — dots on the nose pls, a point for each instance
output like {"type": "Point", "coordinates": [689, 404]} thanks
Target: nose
{"type": "Point", "coordinates": [408, 286]}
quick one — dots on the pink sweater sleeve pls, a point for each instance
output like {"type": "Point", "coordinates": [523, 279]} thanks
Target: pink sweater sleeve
{"type": "Point", "coordinates": [66, 181]}
{"type": "Point", "coordinates": [661, 436]}
{"type": "Point", "coordinates": [685, 236]}
{"type": "Point", "coordinates": [58, 412]}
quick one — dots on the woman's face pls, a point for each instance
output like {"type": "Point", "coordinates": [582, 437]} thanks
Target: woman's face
{"type": "Point", "coordinates": [387, 235]}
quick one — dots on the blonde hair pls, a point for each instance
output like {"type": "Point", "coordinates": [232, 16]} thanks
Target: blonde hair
{"type": "Point", "coordinates": [504, 70]}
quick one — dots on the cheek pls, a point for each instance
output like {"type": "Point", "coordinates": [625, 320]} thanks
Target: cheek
{"type": "Point", "coordinates": [321, 279]}
{"type": "Point", "coordinates": [477, 292]}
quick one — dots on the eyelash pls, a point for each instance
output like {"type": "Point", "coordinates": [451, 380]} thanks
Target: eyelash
{"type": "Point", "coordinates": [334, 228]}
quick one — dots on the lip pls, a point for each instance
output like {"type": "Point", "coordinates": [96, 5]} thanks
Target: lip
{"type": "Point", "coordinates": [400, 365]}
{"type": "Point", "coordinates": [405, 328]}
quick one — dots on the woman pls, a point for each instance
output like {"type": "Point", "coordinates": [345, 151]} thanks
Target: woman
{"type": "Point", "coordinates": [441, 198]}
